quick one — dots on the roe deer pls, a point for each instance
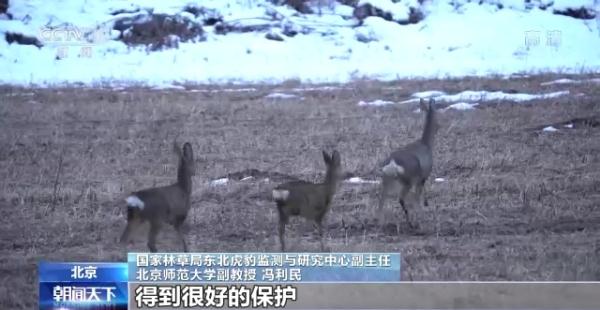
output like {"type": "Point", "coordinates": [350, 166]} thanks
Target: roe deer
{"type": "Point", "coordinates": [167, 204]}
{"type": "Point", "coordinates": [411, 165]}
{"type": "Point", "coordinates": [308, 200]}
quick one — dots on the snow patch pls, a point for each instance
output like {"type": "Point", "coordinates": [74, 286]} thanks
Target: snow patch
{"type": "Point", "coordinates": [483, 95]}
{"type": "Point", "coordinates": [359, 180]}
{"type": "Point", "coordinates": [559, 81]}
{"type": "Point", "coordinates": [322, 88]}
{"type": "Point", "coordinates": [377, 102]}
{"type": "Point", "coordinates": [428, 94]}
{"type": "Point", "coordinates": [223, 90]}
{"type": "Point", "coordinates": [474, 40]}
{"type": "Point", "coordinates": [570, 81]}
{"type": "Point", "coordinates": [462, 106]}
{"type": "Point", "coordinates": [17, 94]}
{"type": "Point", "coordinates": [168, 87]}
{"type": "Point", "coordinates": [281, 96]}
{"type": "Point", "coordinates": [218, 182]}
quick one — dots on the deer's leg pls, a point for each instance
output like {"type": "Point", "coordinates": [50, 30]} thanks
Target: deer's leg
{"type": "Point", "coordinates": [420, 190]}
{"type": "Point", "coordinates": [319, 222]}
{"type": "Point", "coordinates": [177, 225]}
{"type": "Point", "coordinates": [405, 189]}
{"type": "Point", "coordinates": [384, 192]}
{"type": "Point", "coordinates": [154, 228]}
{"type": "Point", "coordinates": [125, 236]}
{"type": "Point", "coordinates": [282, 234]}
{"type": "Point", "coordinates": [320, 230]}
{"type": "Point", "coordinates": [283, 219]}
{"type": "Point", "coordinates": [133, 220]}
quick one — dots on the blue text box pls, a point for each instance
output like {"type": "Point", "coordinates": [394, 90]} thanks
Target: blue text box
{"type": "Point", "coordinates": [82, 272]}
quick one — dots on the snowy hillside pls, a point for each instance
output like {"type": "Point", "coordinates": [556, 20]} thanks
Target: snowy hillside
{"type": "Point", "coordinates": [257, 41]}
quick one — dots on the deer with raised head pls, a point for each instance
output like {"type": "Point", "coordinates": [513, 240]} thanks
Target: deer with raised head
{"type": "Point", "coordinates": [167, 204]}
{"type": "Point", "coordinates": [308, 200]}
{"type": "Point", "coordinates": [410, 166]}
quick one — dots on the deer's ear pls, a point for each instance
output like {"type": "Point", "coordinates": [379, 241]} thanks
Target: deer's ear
{"type": "Point", "coordinates": [335, 156]}
{"type": "Point", "coordinates": [326, 157]}
{"type": "Point", "coordinates": [176, 149]}
{"type": "Point", "coordinates": [423, 105]}
{"type": "Point", "coordinates": [188, 153]}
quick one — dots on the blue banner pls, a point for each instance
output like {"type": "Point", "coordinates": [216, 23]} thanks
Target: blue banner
{"type": "Point", "coordinates": [264, 267]}
{"type": "Point", "coordinates": [83, 285]}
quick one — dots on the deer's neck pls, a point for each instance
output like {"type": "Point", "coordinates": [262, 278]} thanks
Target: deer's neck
{"type": "Point", "coordinates": [428, 129]}
{"type": "Point", "coordinates": [330, 183]}
{"type": "Point", "coordinates": [184, 178]}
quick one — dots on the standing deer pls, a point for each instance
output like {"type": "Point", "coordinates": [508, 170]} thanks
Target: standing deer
{"type": "Point", "coordinates": [167, 204]}
{"type": "Point", "coordinates": [308, 200]}
{"type": "Point", "coordinates": [411, 165]}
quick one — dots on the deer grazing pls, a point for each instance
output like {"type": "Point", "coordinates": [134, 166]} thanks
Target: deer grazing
{"type": "Point", "coordinates": [308, 200]}
{"type": "Point", "coordinates": [167, 204]}
{"type": "Point", "coordinates": [409, 166]}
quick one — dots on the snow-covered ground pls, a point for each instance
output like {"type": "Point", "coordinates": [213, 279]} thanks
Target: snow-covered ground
{"type": "Point", "coordinates": [218, 182]}
{"type": "Point", "coordinates": [458, 100]}
{"type": "Point", "coordinates": [282, 96]}
{"type": "Point", "coordinates": [483, 95]}
{"type": "Point", "coordinates": [377, 102]}
{"type": "Point", "coordinates": [570, 81]}
{"type": "Point", "coordinates": [455, 38]}
{"type": "Point", "coordinates": [359, 180]}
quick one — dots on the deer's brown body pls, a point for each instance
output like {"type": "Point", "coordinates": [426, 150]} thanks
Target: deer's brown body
{"type": "Point", "coordinates": [308, 200]}
{"type": "Point", "coordinates": [167, 204]}
{"type": "Point", "coordinates": [410, 166]}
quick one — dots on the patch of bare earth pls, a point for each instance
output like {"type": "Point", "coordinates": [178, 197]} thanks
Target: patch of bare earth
{"type": "Point", "coordinates": [516, 203]}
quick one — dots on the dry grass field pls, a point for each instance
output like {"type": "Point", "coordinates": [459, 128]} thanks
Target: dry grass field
{"type": "Point", "coordinates": [516, 203]}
